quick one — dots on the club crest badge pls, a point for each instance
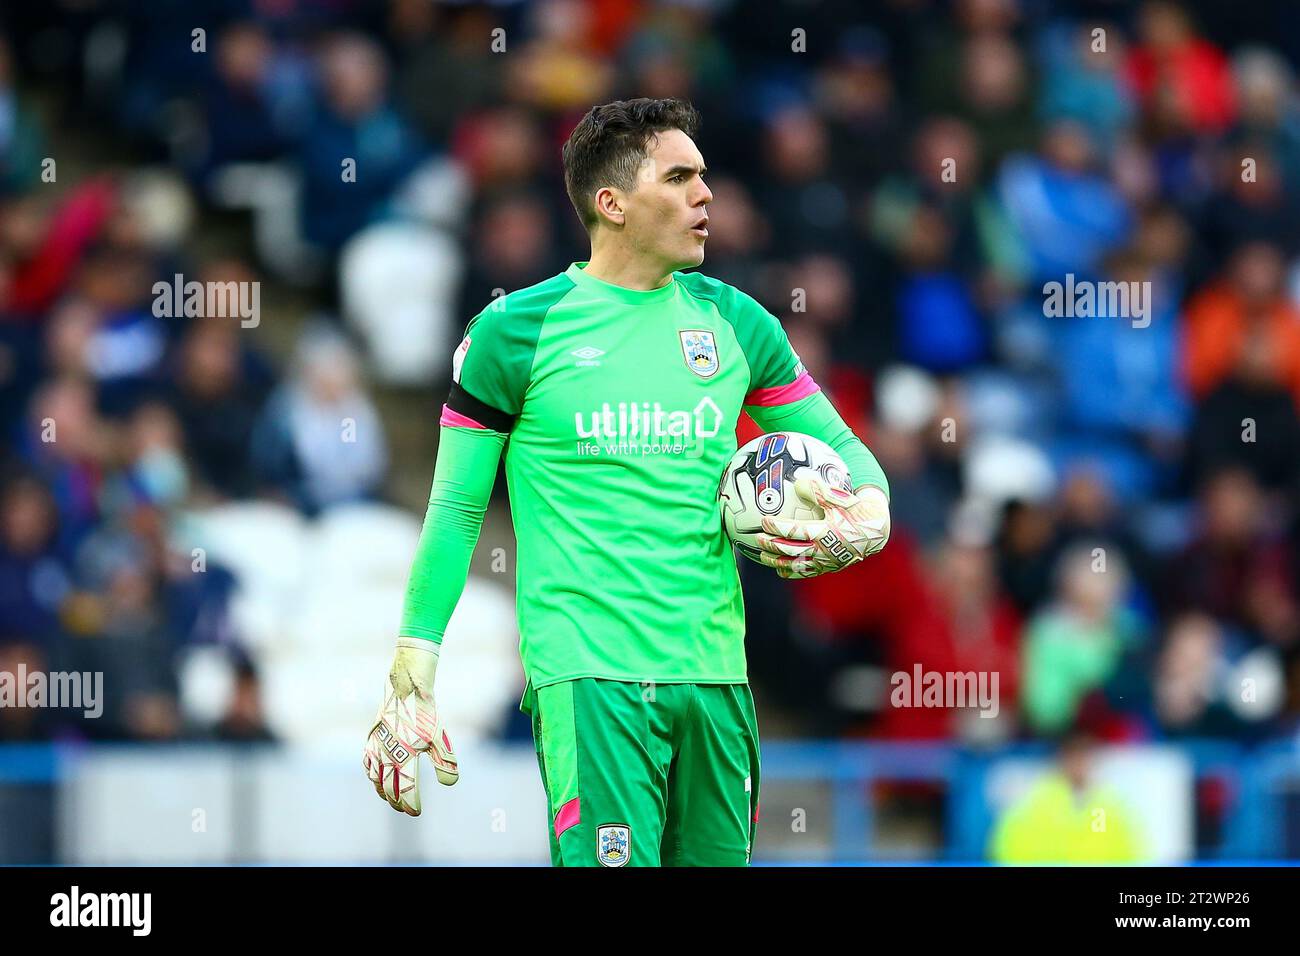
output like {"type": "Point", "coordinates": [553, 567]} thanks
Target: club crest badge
{"type": "Point", "coordinates": [700, 350]}
{"type": "Point", "coordinates": [613, 844]}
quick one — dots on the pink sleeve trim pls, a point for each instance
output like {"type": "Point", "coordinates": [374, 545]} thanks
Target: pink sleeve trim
{"type": "Point", "coordinates": [801, 387]}
{"type": "Point", "coordinates": [569, 816]}
{"type": "Point", "coordinates": [456, 418]}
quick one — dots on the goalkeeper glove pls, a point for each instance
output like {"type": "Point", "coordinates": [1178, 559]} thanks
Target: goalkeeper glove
{"type": "Point", "coordinates": [852, 527]}
{"type": "Point", "coordinates": [406, 726]}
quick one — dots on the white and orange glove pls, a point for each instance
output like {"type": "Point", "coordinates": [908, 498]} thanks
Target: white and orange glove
{"type": "Point", "coordinates": [406, 726]}
{"type": "Point", "coordinates": [853, 527]}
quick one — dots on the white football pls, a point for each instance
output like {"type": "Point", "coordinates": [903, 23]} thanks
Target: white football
{"type": "Point", "coordinates": [760, 481]}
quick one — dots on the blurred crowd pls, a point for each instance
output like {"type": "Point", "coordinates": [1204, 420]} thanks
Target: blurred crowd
{"type": "Point", "coordinates": [1101, 510]}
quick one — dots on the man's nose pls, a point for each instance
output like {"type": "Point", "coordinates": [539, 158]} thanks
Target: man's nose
{"type": "Point", "coordinates": [704, 197]}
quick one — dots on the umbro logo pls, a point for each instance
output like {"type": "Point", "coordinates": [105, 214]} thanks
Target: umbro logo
{"type": "Point", "coordinates": [587, 355]}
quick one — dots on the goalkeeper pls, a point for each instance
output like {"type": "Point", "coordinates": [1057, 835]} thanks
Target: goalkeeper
{"type": "Point", "coordinates": [613, 389]}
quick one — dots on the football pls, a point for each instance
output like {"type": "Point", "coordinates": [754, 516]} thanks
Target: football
{"type": "Point", "coordinates": [760, 479]}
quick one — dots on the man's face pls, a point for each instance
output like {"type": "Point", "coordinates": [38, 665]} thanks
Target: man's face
{"type": "Point", "coordinates": [664, 216]}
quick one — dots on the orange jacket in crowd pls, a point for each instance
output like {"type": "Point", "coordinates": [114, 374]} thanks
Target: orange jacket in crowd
{"type": "Point", "coordinates": [1215, 331]}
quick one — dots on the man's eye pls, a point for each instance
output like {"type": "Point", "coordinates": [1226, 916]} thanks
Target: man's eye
{"type": "Point", "coordinates": [680, 177]}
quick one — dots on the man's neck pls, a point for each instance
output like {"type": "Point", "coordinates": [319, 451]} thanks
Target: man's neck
{"type": "Point", "coordinates": [617, 267]}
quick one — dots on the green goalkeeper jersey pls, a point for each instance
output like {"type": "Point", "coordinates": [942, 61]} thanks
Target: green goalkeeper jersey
{"type": "Point", "coordinates": [617, 411]}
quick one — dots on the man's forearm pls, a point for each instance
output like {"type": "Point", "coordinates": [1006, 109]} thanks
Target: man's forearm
{"type": "Point", "coordinates": [463, 476]}
{"type": "Point", "coordinates": [816, 416]}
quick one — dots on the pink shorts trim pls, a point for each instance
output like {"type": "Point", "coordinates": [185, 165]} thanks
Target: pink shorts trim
{"type": "Point", "coordinates": [569, 816]}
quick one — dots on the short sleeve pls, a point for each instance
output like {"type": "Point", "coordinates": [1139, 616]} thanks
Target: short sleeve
{"type": "Point", "coordinates": [490, 364]}
{"type": "Point", "coordinates": [494, 361]}
{"type": "Point", "coordinates": [772, 361]}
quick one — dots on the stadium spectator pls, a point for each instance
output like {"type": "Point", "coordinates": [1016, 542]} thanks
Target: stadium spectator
{"type": "Point", "coordinates": [1065, 212]}
{"type": "Point", "coordinates": [966, 627]}
{"type": "Point", "coordinates": [1068, 816]}
{"type": "Point", "coordinates": [244, 720]}
{"type": "Point", "coordinates": [1084, 83]}
{"type": "Point", "coordinates": [1240, 567]}
{"type": "Point", "coordinates": [1178, 75]}
{"type": "Point", "coordinates": [357, 124]}
{"type": "Point", "coordinates": [218, 386]}
{"type": "Point", "coordinates": [20, 657]}
{"type": "Point", "coordinates": [63, 442]}
{"type": "Point", "coordinates": [119, 629]}
{"type": "Point", "coordinates": [320, 440]}
{"type": "Point", "coordinates": [1250, 421]}
{"type": "Point", "coordinates": [21, 138]}
{"type": "Point", "coordinates": [254, 100]}
{"type": "Point", "coordinates": [1195, 682]}
{"type": "Point", "coordinates": [1245, 317]}
{"type": "Point", "coordinates": [35, 576]}
{"type": "Point", "coordinates": [1083, 650]}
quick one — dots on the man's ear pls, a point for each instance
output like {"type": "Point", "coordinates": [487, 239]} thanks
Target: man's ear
{"type": "Point", "coordinates": [609, 205]}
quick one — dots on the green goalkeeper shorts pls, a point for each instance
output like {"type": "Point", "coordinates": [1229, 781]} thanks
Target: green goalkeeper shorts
{"type": "Point", "coordinates": [647, 774]}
